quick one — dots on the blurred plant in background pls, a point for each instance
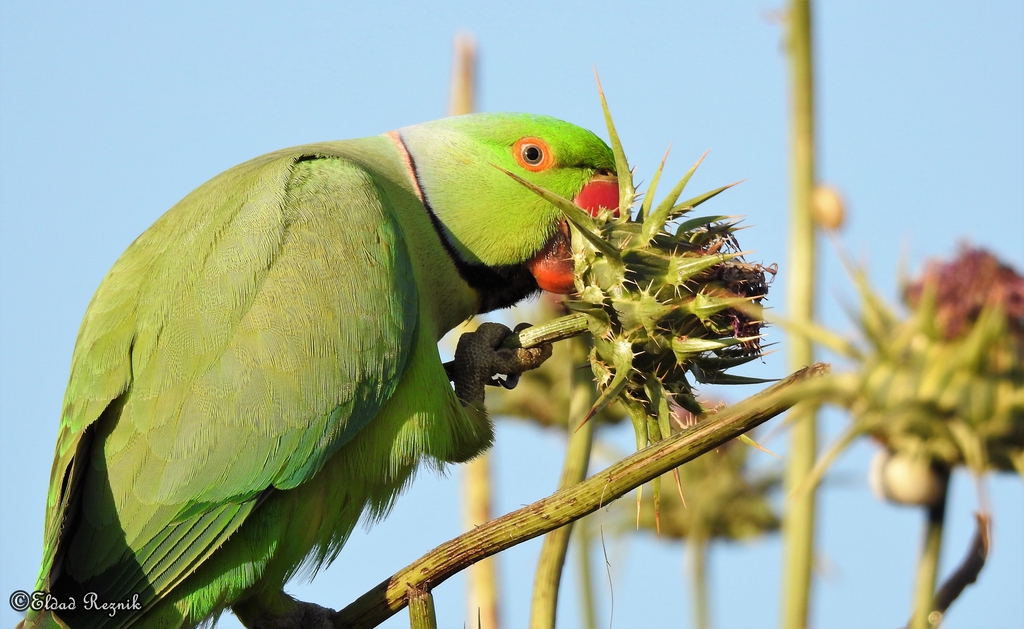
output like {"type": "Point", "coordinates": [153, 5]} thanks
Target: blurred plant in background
{"type": "Point", "coordinates": [939, 388]}
{"type": "Point", "coordinates": [943, 385]}
{"type": "Point", "coordinates": [719, 499]}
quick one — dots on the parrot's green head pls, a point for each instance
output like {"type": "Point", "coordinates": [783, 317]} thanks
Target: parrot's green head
{"type": "Point", "coordinates": [498, 231]}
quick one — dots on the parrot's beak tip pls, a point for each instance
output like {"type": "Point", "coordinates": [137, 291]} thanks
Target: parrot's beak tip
{"type": "Point", "coordinates": [552, 267]}
{"type": "Point", "coordinates": [602, 191]}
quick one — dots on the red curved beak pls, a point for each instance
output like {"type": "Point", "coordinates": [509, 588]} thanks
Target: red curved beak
{"type": "Point", "coordinates": [552, 267]}
{"type": "Point", "coordinates": [600, 192]}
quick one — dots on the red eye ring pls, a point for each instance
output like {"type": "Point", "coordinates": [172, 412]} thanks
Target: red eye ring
{"type": "Point", "coordinates": [533, 154]}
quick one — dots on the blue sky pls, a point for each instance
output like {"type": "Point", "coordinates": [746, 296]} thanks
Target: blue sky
{"type": "Point", "coordinates": [111, 112]}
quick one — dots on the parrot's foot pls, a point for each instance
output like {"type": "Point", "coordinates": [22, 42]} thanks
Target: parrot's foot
{"type": "Point", "coordinates": [480, 361]}
{"type": "Point", "coordinates": [301, 616]}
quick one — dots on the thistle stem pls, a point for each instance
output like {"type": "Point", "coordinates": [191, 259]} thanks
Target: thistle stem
{"type": "Point", "coordinates": [798, 521]}
{"type": "Point", "coordinates": [572, 503]}
{"type": "Point", "coordinates": [969, 569]}
{"type": "Point", "coordinates": [577, 458]}
{"type": "Point", "coordinates": [421, 609]}
{"type": "Point", "coordinates": [558, 329]}
{"type": "Point", "coordinates": [928, 565]}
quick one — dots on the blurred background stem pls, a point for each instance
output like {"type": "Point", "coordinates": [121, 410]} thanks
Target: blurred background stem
{"type": "Point", "coordinates": [582, 395]}
{"type": "Point", "coordinates": [481, 578]}
{"type": "Point", "coordinates": [928, 564]}
{"type": "Point", "coordinates": [798, 519]}
{"type": "Point", "coordinates": [584, 536]}
{"type": "Point", "coordinates": [697, 567]}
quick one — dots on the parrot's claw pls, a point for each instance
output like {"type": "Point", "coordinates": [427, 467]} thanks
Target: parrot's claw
{"type": "Point", "coordinates": [480, 360]}
{"type": "Point", "coordinates": [302, 616]}
{"type": "Point", "coordinates": [508, 381]}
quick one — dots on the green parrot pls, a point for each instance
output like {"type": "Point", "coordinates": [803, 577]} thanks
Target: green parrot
{"type": "Point", "coordinates": [260, 367]}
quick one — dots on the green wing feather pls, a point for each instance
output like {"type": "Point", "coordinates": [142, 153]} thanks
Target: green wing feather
{"type": "Point", "coordinates": [236, 345]}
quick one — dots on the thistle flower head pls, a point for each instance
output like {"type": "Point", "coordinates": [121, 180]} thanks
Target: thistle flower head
{"type": "Point", "coordinates": [667, 295]}
{"type": "Point", "coordinates": [965, 286]}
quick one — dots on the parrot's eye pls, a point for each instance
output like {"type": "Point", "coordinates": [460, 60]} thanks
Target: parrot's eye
{"type": "Point", "coordinates": [533, 154]}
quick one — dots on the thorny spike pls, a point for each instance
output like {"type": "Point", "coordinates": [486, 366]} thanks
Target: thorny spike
{"type": "Point", "coordinates": [750, 442]}
{"type": "Point", "coordinates": [645, 207]}
{"type": "Point", "coordinates": [701, 221]}
{"type": "Point", "coordinates": [622, 170]}
{"type": "Point", "coordinates": [617, 385]}
{"type": "Point", "coordinates": [701, 198]}
{"type": "Point", "coordinates": [679, 486]}
{"type": "Point", "coordinates": [572, 211]}
{"type": "Point", "coordinates": [653, 224]}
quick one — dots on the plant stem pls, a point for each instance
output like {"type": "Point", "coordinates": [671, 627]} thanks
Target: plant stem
{"type": "Point", "coordinates": [482, 578]}
{"type": "Point", "coordinates": [798, 521]}
{"type": "Point", "coordinates": [558, 329]}
{"type": "Point", "coordinates": [577, 458]}
{"type": "Point", "coordinates": [928, 564]}
{"type": "Point", "coordinates": [421, 609]}
{"type": "Point", "coordinates": [572, 503]}
{"type": "Point", "coordinates": [696, 563]}
{"type": "Point", "coordinates": [462, 97]}
{"type": "Point", "coordinates": [969, 569]}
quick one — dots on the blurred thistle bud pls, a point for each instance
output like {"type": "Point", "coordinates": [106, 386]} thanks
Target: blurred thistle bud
{"type": "Point", "coordinates": [828, 208]}
{"type": "Point", "coordinates": [906, 479]}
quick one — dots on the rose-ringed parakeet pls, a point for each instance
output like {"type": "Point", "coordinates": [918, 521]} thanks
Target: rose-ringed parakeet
{"type": "Point", "coordinates": [260, 366]}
